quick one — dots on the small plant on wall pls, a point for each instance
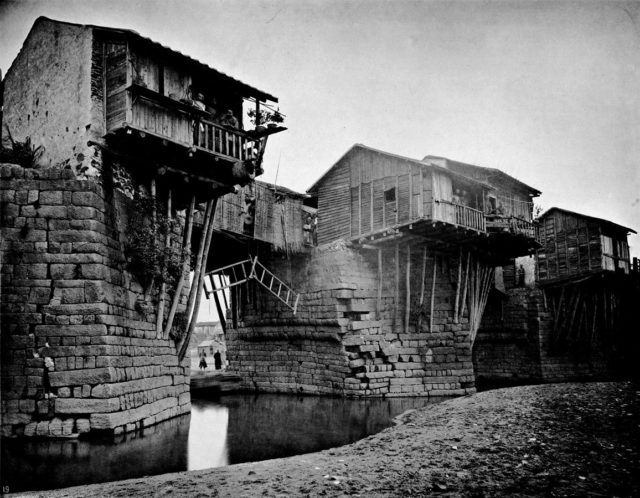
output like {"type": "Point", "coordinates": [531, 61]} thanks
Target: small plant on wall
{"type": "Point", "coordinates": [25, 154]}
{"type": "Point", "coordinates": [265, 117]}
{"type": "Point", "coordinates": [147, 257]}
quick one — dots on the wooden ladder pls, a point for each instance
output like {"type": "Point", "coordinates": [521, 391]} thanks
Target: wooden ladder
{"type": "Point", "coordinates": [252, 269]}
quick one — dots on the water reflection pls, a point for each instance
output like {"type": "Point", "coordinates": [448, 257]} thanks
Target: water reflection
{"type": "Point", "coordinates": [48, 464]}
{"type": "Point", "coordinates": [220, 431]}
{"type": "Point", "coordinates": [208, 436]}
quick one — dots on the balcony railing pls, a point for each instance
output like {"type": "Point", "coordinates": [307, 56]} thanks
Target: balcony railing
{"type": "Point", "coordinates": [189, 126]}
{"type": "Point", "coordinates": [511, 224]}
{"type": "Point", "coordinates": [458, 214]}
{"type": "Point", "coordinates": [223, 141]}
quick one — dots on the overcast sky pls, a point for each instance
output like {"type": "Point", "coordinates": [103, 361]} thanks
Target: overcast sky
{"type": "Point", "coordinates": [548, 92]}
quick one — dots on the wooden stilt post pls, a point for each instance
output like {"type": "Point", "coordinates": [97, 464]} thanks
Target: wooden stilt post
{"type": "Point", "coordinates": [455, 309]}
{"type": "Point", "coordinates": [396, 295]}
{"type": "Point", "coordinates": [379, 301]}
{"type": "Point", "coordinates": [595, 316]}
{"type": "Point", "coordinates": [186, 257]}
{"type": "Point", "coordinates": [196, 272]}
{"type": "Point", "coordinates": [463, 302]}
{"type": "Point", "coordinates": [221, 317]}
{"type": "Point", "coordinates": [433, 290]}
{"type": "Point", "coordinates": [224, 293]}
{"type": "Point", "coordinates": [235, 298]}
{"type": "Point", "coordinates": [407, 312]}
{"type": "Point", "coordinates": [163, 286]}
{"type": "Point", "coordinates": [481, 301]}
{"type": "Point", "coordinates": [152, 190]}
{"type": "Point", "coordinates": [154, 217]}
{"type": "Point", "coordinates": [200, 283]}
{"type": "Point", "coordinates": [424, 276]}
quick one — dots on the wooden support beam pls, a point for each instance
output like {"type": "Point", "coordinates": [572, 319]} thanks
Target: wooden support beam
{"type": "Point", "coordinates": [234, 307]}
{"type": "Point", "coordinates": [424, 276]}
{"type": "Point", "coordinates": [459, 282]}
{"type": "Point", "coordinates": [396, 295]}
{"type": "Point", "coordinates": [407, 312]}
{"type": "Point", "coordinates": [371, 206]}
{"type": "Point", "coordinates": [152, 190]}
{"type": "Point", "coordinates": [223, 321]}
{"type": "Point", "coordinates": [463, 302]}
{"type": "Point", "coordinates": [186, 256]}
{"type": "Point", "coordinates": [198, 268]}
{"type": "Point", "coordinates": [163, 285]}
{"type": "Point", "coordinates": [379, 300]}
{"type": "Point", "coordinates": [224, 294]}
{"type": "Point", "coordinates": [433, 290]}
{"type": "Point", "coordinates": [200, 284]}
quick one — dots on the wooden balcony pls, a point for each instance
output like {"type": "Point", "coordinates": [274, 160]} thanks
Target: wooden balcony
{"type": "Point", "coordinates": [459, 215]}
{"type": "Point", "coordinates": [511, 225]}
{"type": "Point", "coordinates": [222, 141]}
{"type": "Point", "coordinates": [150, 113]}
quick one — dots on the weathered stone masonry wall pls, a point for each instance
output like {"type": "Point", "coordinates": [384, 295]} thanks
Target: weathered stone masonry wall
{"type": "Point", "coordinates": [53, 95]}
{"type": "Point", "coordinates": [513, 343]}
{"type": "Point", "coordinates": [77, 355]}
{"type": "Point", "coordinates": [336, 343]}
{"type": "Point", "coordinates": [507, 347]}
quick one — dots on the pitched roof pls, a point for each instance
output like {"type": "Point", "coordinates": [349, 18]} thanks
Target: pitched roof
{"type": "Point", "coordinates": [586, 216]}
{"type": "Point", "coordinates": [279, 189]}
{"type": "Point", "coordinates": [135, 36]}
{"type": "Point", "coordinates": [423, 164]}
{"type": "Point", "coordinates": [466, 168]}
{"type": "Point", "coordinates": [206, 343]}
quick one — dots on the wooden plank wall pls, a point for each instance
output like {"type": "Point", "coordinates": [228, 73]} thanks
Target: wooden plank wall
{"type": "Point", "coordinates": [268, 220]}
{"type": "Point", "coordinates": [370, 175]}
{"type": "Point", "coordinates": [427, 193]}
{"type": "Point", "coordinates": [334, 205]}
{"type": "Point", "coordinates": [571, 246]}
{"type": "Point", "coordinates": [228, 215]}
{"type": "Point", "coordinates": [443, 191]}
{"type": "Point", "coordinates": [146, 71]}
{"type": "Point", "coordinates": [116, 82]}
{"type": "Point", "coordinates": [176, 83]}
{"type": "Point", "coordinates": [163, 121]}
{"type": "Point", "coordinates": [264, 212]}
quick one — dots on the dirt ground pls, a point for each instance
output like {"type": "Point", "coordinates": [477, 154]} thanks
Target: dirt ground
{"type": "Point", "coordinates": [547, 440]}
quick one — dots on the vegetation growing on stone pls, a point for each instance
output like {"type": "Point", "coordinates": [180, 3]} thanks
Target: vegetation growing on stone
{"type": "Point", "coordinates": [147, 257]}
{"type": "Point", "coordinates": [25, 154]}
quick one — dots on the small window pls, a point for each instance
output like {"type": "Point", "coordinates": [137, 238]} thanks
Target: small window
{"type": "Point", "coordinates": [390, 195]}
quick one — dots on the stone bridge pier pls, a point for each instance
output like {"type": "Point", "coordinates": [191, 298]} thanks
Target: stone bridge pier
{"type": "Point", "coordinates": [377, 321]}
{"type": "Point", "coordinates": [78, 353]}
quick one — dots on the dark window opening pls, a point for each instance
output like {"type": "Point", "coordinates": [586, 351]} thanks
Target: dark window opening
{"type": "Point", "coordinates": [390, 195]}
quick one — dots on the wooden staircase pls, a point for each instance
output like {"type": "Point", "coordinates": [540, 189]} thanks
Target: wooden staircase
{"type": "Point", "coordinates": [252, 269]}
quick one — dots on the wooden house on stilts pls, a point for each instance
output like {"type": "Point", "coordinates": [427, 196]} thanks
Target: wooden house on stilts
{"type": "Point", "coordinates": [134, 140]}
{"type": "Point", "coordinates": [392, 297]}
{"type": "Point", "coordinates": [575, 318]}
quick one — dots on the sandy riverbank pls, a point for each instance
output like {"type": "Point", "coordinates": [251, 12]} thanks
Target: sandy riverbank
{"type": "Point", "coordinates": [549, 440]}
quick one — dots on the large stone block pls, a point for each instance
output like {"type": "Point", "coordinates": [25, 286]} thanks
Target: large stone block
{"type": "Point", "coordinates": [90, 376]}
{"type": "Point", "coordinates": [85, 236]}
{"type": "Point", "coordinates": [52, 211]}
{"type": "Point", "coordinates": [90, 199]}
{"type": "Point", "coordinates": [77, 309]}
{"type": "Point", "coordinates": [103, 421]}
{"type": "Point", "coordinates": [95, 291]}
{"type": "Point", "coordinates": [86, 405]}
{"type": "Point", "coordinates": [64, 271]}
{"type": "Point", "coordinates": [51, 197]}
{"type": "Point", "coordinates": [121, 388]}
{"type": "Point", "coordinates": [72, 296]}
{"type": "Point", "coordinates": [71, 330]}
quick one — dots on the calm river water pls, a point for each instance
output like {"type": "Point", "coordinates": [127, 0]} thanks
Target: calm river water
{"type": "Point", "coordinates": [220, 431]}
